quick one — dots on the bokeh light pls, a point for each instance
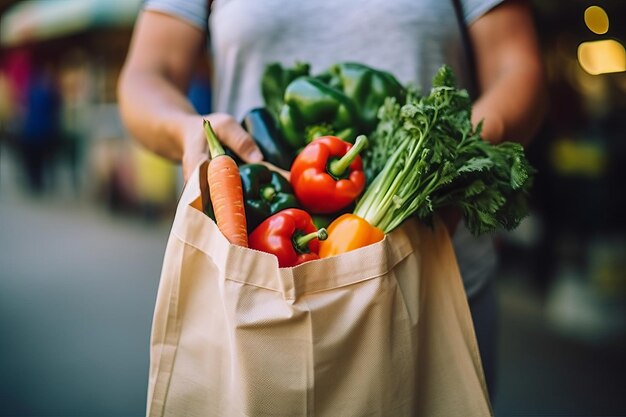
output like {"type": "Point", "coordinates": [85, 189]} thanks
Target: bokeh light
{"type": "Point", "coordinates": [602, 57]}
{"type": "Point", "coordinates": [597, 20]}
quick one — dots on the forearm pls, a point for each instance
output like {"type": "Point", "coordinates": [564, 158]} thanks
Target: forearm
{"type": "Point", "coordinates": [513, 106]}
{"type": "Point", "coordinates": [155, 112]}
{"type": "Point", "coordinates": [154, 80]}
{"type": "Point", "coordinates": [152, 94]}
{"type": "Point", "coordinates": [510, 74]}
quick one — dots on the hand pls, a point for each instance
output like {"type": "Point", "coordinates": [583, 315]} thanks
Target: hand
{"type": "Point", "coordinates": [227, 129]}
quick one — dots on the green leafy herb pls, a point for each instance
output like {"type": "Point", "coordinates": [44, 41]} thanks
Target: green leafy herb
{"type": "Point", "coordinates": [425, 155]}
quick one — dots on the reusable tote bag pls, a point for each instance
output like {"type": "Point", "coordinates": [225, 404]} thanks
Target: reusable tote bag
{"type": "Point", "coordinates": [384, 330]}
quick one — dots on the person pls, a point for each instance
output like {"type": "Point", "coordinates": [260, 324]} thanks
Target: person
{"type": "Point", "coordinates": [409, 38]}
{"type": "Point", "coordinates": [40, 127]}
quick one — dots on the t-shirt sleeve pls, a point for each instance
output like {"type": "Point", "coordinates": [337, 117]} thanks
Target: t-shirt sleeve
{"type": "Point", "coordinates": [473, 9]}
{"type": "Point", "coordinates": [192, 11]}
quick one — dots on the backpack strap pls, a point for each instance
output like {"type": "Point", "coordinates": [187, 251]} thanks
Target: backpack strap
{"type": "Point", "coordinates": [472, 87]}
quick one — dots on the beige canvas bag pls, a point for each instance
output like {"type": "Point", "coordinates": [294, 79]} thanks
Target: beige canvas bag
{"type": "Point", "coordinates": [381, 331]}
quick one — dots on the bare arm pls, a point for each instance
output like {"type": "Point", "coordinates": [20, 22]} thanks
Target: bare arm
{"type": "Point", "coordinates": [152, 94]}
{"type": "Point", "coordinates": [509, 72]}
{"type": "Point", "coordinates": [510, 77]}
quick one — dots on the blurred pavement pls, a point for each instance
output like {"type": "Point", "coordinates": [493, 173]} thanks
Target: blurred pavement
{"type": "Point", "coordinates": [544, 371]}
{"type": "Point", "coordinates": [77, 288]}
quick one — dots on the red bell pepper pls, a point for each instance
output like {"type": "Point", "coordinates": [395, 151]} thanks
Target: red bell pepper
{"type": "Point", "coordinates": [328, 174]}
{"type": "Point", "coordinates": [290, 235]}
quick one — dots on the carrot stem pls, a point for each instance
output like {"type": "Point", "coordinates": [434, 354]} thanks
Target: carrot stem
{"type": "Point", "coordinates": [215, 147]}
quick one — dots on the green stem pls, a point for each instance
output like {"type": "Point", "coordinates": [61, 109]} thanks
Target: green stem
{"type": "Point", "coordinates": [301, 242]}
{"type": "Point", "coordinates": [384, 205]}
{"type": "Point", "coordinates": [374, 194]}
{"type": "Point", "coordinates": [338, 167]}
{"type": "Point", "coordinates": [397, 185]}
{"type": "Point", "coordinates": [371, 201]}
{"type": "Point", "coordinates": [389, 222]}
{"type": "Point", "coordinates": [215, 147]}
{"type": "Point", "coordinates": [268, 193]}
{"type": "Point", "coordinates": [404, 174]}
{"type": "Point", "coordinates": [314, 132]}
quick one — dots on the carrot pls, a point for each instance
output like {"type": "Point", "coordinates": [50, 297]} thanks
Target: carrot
{"type": "Point", "coordinates": [226, 191]}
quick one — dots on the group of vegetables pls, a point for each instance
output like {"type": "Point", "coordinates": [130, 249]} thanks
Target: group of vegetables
{"type": "Point", "coordinates": [362, 153]}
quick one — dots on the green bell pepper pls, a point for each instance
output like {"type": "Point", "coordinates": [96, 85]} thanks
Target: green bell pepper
{"type": "Point", "coordinates": [265, 192]}
{"type": "Point", "coordinates": [311, 109]}
{"type": "Point", "coordinates": [274, 82]}
{"type": "Point", "coordinates": [367, 88]}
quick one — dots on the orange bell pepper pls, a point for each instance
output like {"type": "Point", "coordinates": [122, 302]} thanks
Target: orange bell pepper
{"type": "Point", "coordinates": [349, 232]}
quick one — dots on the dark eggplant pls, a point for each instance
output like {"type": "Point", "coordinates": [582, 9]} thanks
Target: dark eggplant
{"type": "Point", "coordinates": [261, 125]}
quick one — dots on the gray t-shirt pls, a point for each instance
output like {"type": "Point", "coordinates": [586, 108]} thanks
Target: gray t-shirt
{"type": "Point", "coordinates": [409, 38]}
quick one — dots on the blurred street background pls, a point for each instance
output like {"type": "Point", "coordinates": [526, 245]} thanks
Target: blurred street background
{"type": "Point", "coordinates": [85, 214]}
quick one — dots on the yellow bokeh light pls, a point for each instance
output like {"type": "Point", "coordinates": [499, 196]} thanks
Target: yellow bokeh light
{"type": "Point", "coordinates": [571, 157]}
{"type": "Point", "coordinates": [597, 20]}
{"type": "Point", "coordinates": [602, 57]}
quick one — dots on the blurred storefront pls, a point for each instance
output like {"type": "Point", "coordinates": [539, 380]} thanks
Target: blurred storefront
{"type": "Point", "coordinates": [575, 244]}
{"type": "Point", "coordinates": [84, 44]}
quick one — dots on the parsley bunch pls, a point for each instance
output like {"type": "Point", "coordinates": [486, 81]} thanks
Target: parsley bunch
{"type": "Point", "coordinates": [425, 154]}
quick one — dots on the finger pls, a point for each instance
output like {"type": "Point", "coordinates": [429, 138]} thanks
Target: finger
{"type": "Point", "coordinates": [234, 136]}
